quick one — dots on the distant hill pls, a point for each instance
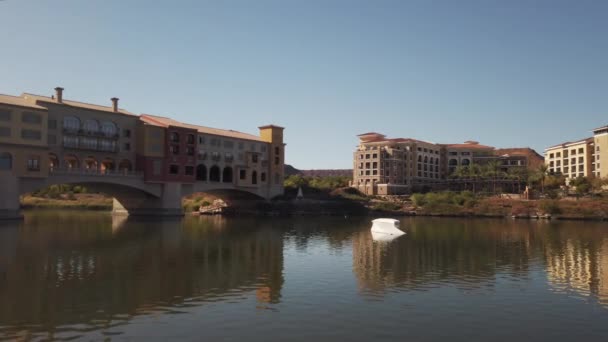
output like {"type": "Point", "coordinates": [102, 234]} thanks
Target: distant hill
{"type": "Point", "coordinates": [290, 170]}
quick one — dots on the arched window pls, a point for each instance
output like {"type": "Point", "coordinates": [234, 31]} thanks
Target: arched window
{"type": "Point", "coordinates": [107, 165]}
{"type": "Point", "coordinates": [6, 161]}
{"type": "Point", "coordinates": [125, 165]}
{"type": "Point", "coordinates": [53, 161]}
{"type": "Point", "coordinates": [71, 123]}
{"type": "Point", "coordinates": [90, 164]}
{"type": "Point", "coordinates": [91, 126]}
{"type": "Point", "coordinates": [71, 161]}
{"type": "Point", "coordinates": [214, 174]}
{"type": "Point", "coordinates": [263, 176]}
{"type": "Point", "coordinates": [109, 129]}
{"type": "Point", "coordinates": [227, 175]}
{"type": "Point", "coordinates": [201, 172]}
{"type": "Point", "coordinates": [174, 137]}
{"type": "Point", "coordinates": [453, 162]}
{"type": "Point", "coordinates": [254, 177]}
{"type": "Point", "coordinates": [419, 159]}
{"type": "Point", "coordinates": [466, 162]}
{"type": "Point", "coordinates": [426, 159]}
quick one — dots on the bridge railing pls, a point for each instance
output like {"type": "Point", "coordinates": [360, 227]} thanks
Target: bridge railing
{"type": "Point", "coordinates": [95, 172]}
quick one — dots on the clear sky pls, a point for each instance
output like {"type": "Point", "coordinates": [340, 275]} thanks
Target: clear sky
{"type": "Point", "coordinates": [505, 73]}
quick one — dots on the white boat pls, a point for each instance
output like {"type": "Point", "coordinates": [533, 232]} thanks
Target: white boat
{"type": "Point", "coordinates": [386, 226]}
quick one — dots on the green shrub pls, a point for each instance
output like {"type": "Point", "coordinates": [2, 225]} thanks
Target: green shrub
{"type": "Point", "coordinates": [419, 200]}
{"type": "Point", "coordinates": [550, 207]}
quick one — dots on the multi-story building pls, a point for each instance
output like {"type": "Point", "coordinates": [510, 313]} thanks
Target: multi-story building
{"type": "Point", "coordinates": [580, 158]}
{"type": "Point", "coordinates": [41, 136]}
{"type": "Point", "coordinates": [393, 166]}
{"type": "Point", "coordinates": [571, 159]}
{"type": "Point", "coordinates": [600, 142]}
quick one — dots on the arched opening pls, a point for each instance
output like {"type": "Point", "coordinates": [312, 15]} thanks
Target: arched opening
{"type": "Point", "coordinates": [214, 174]}
{"type": "Point", "coordinates": [107, 165]}
{"type": "Point", "coordinates": [227, 175]}
{"type": "Point", "coordinates": [53, 162]}
{"type": "Point", "coordinates": [109, 129]}
{"type": "Point", "coordinates": [71, 123]}
{"type": "Point", "coordinates": [426, 159]}
{"type": "Point", "coordinates": [6, 161]}
{"type": "Point", "coordinates": [90, 164]}
{"type": "Point", "coordinates": [466, 162]}
{"type": "Point", "coordinates": [71, 162]}
{"type": "Point", "coordinates": [125, 166]}
{"type": "Point", "coordinates": [453, 162]}
{"type": "Point", "coordinates": [90, 126]}
{"type": "Point", "coordinates": [254, 177]}
{"type": "Point", "coordinates": [201, 172]}
{"type": "Point", "coordinates": [420, 159]}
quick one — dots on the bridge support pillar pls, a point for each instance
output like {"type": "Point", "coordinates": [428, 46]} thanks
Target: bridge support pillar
{"type": "Point", "coordinates": [168, 204]}
{"type": "Point", "coordinates": [9, 200]}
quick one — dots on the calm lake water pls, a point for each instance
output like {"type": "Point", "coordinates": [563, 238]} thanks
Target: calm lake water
{"type": "Point", "coordinates": [78, 275]}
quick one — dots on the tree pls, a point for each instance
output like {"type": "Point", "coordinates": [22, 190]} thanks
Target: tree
{"type": "Point", "coordinates": [542, 175]}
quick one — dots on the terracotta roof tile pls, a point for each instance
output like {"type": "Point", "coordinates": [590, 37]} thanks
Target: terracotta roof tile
{"type": "Point", "coordinates": [19, 101]}
{"type": "Point", "coordinates": [165, 122]}
{"type": "Point", "coordinates": [33, 98]}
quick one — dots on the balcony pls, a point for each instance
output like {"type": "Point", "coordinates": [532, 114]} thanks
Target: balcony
{"type": "Point", "coordinates": [84, 133]}
{"type": "Point", "coordinates": [95, 172]}
{"type": "Point", "coordinates": [82, 147]}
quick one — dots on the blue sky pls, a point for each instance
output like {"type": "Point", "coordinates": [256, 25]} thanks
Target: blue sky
{"type": "Point", "coordinates": [505, 73]}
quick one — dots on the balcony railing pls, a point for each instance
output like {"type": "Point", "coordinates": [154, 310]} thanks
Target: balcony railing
{"type": "Point", "coordinates": [82, 132]}
{"type": "Point", "coordinates": [95, 172]}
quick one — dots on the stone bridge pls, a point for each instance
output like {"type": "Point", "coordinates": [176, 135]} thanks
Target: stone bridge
{"type": "Point", "coordinates": [131, 194]}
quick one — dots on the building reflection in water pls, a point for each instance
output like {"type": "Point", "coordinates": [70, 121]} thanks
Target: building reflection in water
{"type": "Point", "coordinates": [577, 262]}
{"type": "Point", "coordinates": [96, 271]}
{"type": "Point", "coordinates": [461, 253]}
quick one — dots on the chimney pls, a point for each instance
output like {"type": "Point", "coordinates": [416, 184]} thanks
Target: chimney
{"type": "Point", "coordinates": [114, 104]}
{"type": "Point", "coordinates": [59, 92]}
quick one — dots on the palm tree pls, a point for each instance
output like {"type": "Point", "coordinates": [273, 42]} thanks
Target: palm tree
{"type": "Point", "coordinates": [492, 170]}
{"type": "Point", "coordinates": [542, 174]}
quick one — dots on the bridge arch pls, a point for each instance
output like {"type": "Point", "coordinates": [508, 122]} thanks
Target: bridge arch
{"type": "Point", "coordinates": [227, 175]}
{"type": "Point", "coordinates": [214, 174]}
{"type": "Point", "coordinates": [201, 172]}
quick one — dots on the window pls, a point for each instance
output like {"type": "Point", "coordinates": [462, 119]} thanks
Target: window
{"type": "Point", "coordinates": [88, 143]}
{"type": "Point", "coordinates": [109, 129]}
{"type": "Point", "coordinates": [174, 149]}
{"type": "Point", "coordinates": [253, 147]}
{"type": "Point", "coordinates": [228, 144]}
{"type": "Point", "coordinates": [367, 156]}
{"type": "Point", "coordinates": [31, 118]}
{"type": "Point", "coordinates": [189, 171]}
{"type": "Point", "coordinates": [263, 177]}
{"type": "Point", "coordinates": [263, 148]}
{"type": "Point", "coordinates": [581, 150]}
{"type": "Point", "coordinates": [6, 161]}
{"type": "Point", "coordinates": [5, 131]}
{"type": "Point", "coordinates": [214, 142]}
{"type": "Point", "coordinates": [228, 157]}
{"type": "Point", "coordinates": [107, 145]}
{"type": "Point", "coordinates": [190, 139]}
{"type": "Point", "coordinates": [30, 134]}
{"type": "Point", "coordinates": [254, 158]}
{"type": "Point", "coordinates": [241, 145]}
{"type": "Point", "coordinates": [71, 123]}
{"type": "Point", "coordinates": [127, 133]}
{"type": "Point", "coordinates": [374, 156]}
{"type": "Point", "coordinates": [127, 147]}
{"type": "Point", "coordinates": [5, 115]}
{"type": "Point", "coordinates": [174, 137]}
{"type": "Point", "coordinates": [190, 150]}
{"type": "Point", "coordinates": [277, 150]}
{"type": "Point", "coordinates": [174, 169]}
{"type": "Point", "coordinates": [156, 167]}
{"type": "Point", "coordinates": [277, 160]}
{"type": "Point", "coordinates": [453, 153]}
{"type": "Point", "coordinates": [201, 140]}
{"type": "Point", "coordinates": [33, 163]}
{"type": "Point", "coordinates": [243, 174]}
{"type": "Point", "coordinates": [70, 142]}
{"type": "Point", "coordinates": [90, 126]}
{"type": "Point", "coordinates": [52, 124]}
{"type": "Point", "coordinates": [551, 155]}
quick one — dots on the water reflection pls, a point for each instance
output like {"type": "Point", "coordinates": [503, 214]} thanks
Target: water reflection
{"type": "Point", "coordinates": [95, 272]}
{"type": "Point", "coordinates": [577, 261]}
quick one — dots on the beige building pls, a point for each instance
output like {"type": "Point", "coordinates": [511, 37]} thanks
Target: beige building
{"type": "Point", "coordinates": [383, 166]}
{"type": "Point", "coordinates": [571, 159]}
{"type": "Point", "coordinates": [600, 141]}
